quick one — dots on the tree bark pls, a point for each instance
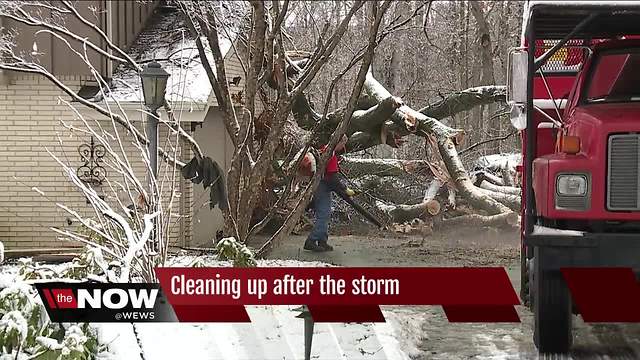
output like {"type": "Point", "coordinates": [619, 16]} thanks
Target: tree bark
{"type": "Point", "coordinates": [404, 121]}
{"type": "Point", "coordinates": [466, 189]}
{"type": "Point", "coordinates": [509, 200]}
{"type": "Point", "coordinates": [357, 167]}
{"type": "Point", "coordinates": [403, 213]}
{"type": "Point", "coordinates": [465, 100]}
{"type": "Point", "coordinates": [501, 189]}
{"type": "Point", "coordinates": [509, 219]}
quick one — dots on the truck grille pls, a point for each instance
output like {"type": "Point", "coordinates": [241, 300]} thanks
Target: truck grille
{"type": "Point", "coordinates": [622, 175]}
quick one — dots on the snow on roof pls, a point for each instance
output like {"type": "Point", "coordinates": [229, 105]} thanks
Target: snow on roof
{"type": "Point", "coordinates": [167, 40]}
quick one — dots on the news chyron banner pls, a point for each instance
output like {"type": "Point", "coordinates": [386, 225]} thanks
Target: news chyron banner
{"type": "Point", "coordinates": [98, 302]}
{"type": "Point", "coordinates": [331, 294]}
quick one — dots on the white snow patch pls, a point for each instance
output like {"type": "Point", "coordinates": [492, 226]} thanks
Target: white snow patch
{"type": "Point", "coordinates": [120, 339]}
{"type": "Point", "coordinates": [543, 230]}
{"type": "Point", "coordinates": [168, 41]}
{"type": "Point", "coordinates": [274, 333]}
{"type": "Point", "coordinates": [486, 343]}
{"type": "Point", "coordinates": [498, 161]}
{"type": "Point", "coordinates": [13, 321]}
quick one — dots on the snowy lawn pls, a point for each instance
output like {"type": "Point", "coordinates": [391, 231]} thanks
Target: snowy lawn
{"type": "Point", "coordinates": [274, 333]}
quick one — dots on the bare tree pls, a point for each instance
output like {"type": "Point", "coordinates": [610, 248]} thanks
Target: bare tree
{"type": "Point", "coordinates": [278, 122]}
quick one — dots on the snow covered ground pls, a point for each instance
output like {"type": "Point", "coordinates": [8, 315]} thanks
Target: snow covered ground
{"type": "Point", "coordinates": [274, 332]}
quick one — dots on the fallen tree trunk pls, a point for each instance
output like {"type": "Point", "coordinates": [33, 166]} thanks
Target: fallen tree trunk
{"type": "Point", "coordinates": [443, 134]}
{"type": "Point", "coordinates": [500, 189]}
{"type": "Point", "coordinates": [356, 167]}
{"type": "Point", "coordinates": [465, 100]}
{"type": "Point", "coordinates": [509, 200]}
{"type": "Point", "coordinates": [403, 213]}
{"type": "Point", "coordinates": [509, 219]}
{"type": "Point", "coordinates": [481, 176]}
{"type": "Point", "coordinates": [381, 118]}
{"type": "Point", "coordinates": [472, 194]}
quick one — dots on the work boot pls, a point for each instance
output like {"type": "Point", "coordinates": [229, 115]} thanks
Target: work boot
{"type": "Point", "coordinates": [324, 245]}
{"type": "Point", "coordinates": [312, 246]}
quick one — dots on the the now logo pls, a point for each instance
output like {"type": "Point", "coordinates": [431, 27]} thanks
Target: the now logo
{"type": "Point", "coordinates": [117, 298]}
{"type": "Point", "coordinates": [105, 302]}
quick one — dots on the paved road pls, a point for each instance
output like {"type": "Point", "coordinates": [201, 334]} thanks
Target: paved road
{"type": "Point", "coordinates": [425, 329]}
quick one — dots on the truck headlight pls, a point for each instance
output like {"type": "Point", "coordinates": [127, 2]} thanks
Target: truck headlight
{"type": "Point", "coordinates": [572, 184]}
{"type": "Point", "coordinates": [573, 191]}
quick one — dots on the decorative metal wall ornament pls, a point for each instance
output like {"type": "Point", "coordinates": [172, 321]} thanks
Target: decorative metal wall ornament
{"type": "Point", "coordinates": [92, 172]}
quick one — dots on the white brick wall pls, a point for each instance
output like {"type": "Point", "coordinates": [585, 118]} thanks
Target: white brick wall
{"type": "Point", "coordinates": [30, 116]}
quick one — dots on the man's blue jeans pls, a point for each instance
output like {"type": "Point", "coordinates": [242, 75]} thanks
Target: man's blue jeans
{"type": "Point", "coordinates": [322, 209]}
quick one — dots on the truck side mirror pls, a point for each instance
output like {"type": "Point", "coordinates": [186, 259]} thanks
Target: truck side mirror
{"type": "Point", "coordinates": [517, 69]}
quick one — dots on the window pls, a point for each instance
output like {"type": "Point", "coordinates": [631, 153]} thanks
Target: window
{"type": "Point", "coordinates": [615, 78]}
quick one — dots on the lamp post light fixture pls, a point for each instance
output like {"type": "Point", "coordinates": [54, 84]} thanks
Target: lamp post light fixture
{"type": "Point", "coordinates": [154, 83]}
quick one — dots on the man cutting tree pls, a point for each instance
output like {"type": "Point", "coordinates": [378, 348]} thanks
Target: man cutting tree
{"type": "Point", "coordinates": [317, 240]}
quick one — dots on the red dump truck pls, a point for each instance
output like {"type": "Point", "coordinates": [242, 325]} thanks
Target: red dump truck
{"type": "Point", "coordinates": [574, 91]}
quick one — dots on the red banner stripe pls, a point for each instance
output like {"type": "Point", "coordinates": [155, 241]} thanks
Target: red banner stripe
{"type": "Point", "coordinates": [49, 297]}
{"type": "Point", "coordinates": [390, 286]}
{"type": "Point", "coordinates": [604, 294]}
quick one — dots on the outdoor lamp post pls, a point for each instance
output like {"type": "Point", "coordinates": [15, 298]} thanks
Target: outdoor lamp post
{"type": "Point", "coordinates": [154, 82]}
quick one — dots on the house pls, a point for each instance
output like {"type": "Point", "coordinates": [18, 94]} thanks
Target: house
{"type": "Point", "coordinates": [32, 117]}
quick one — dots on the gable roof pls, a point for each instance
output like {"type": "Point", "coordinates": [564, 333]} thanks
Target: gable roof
{"type": "Point", "coordinates": [167, 40]}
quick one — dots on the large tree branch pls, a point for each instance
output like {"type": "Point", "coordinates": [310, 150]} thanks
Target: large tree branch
{"type": "Point", "coordinates": [465, 100]}
{"type": "Point", "coordinates": [465, 187]}
{"type": "Point", "coordinates": [358, 167]}
{"type": "Point", "coordinates": [256, 52]}
{"type": "Point", "coordinates": [375, 116]}
{"type": "Point", "coordinates": [324, 52]}
{"type": "Point", "coordinates": [405, 118]}
{"type": "Point", "coordinates": [443, 135]}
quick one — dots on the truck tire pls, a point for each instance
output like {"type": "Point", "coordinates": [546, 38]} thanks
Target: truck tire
{"type": "Point", "coordinates": [552, 312]}
{"type": "Point", "coordinates": [525, 280]}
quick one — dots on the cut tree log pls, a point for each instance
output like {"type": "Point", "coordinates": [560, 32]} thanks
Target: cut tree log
{"type": "Point", "coordinates": [480, 176]}
{"type": "Point", "coordinates": [432, 189]}
{"type": "Point", "coordinates": [402, 213]}
{"type": "Point", "coordinates": [509, 219]}
{"type": "Point", "coordinates": [500, 189]}
{"type": "Point", "coordinates": [509, 200]}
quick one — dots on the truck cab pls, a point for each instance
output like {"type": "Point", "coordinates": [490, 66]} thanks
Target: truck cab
{"type": "Point", "coordinates": [574, 89]}
{"type": "Point", "coordinates": [588, 180]}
